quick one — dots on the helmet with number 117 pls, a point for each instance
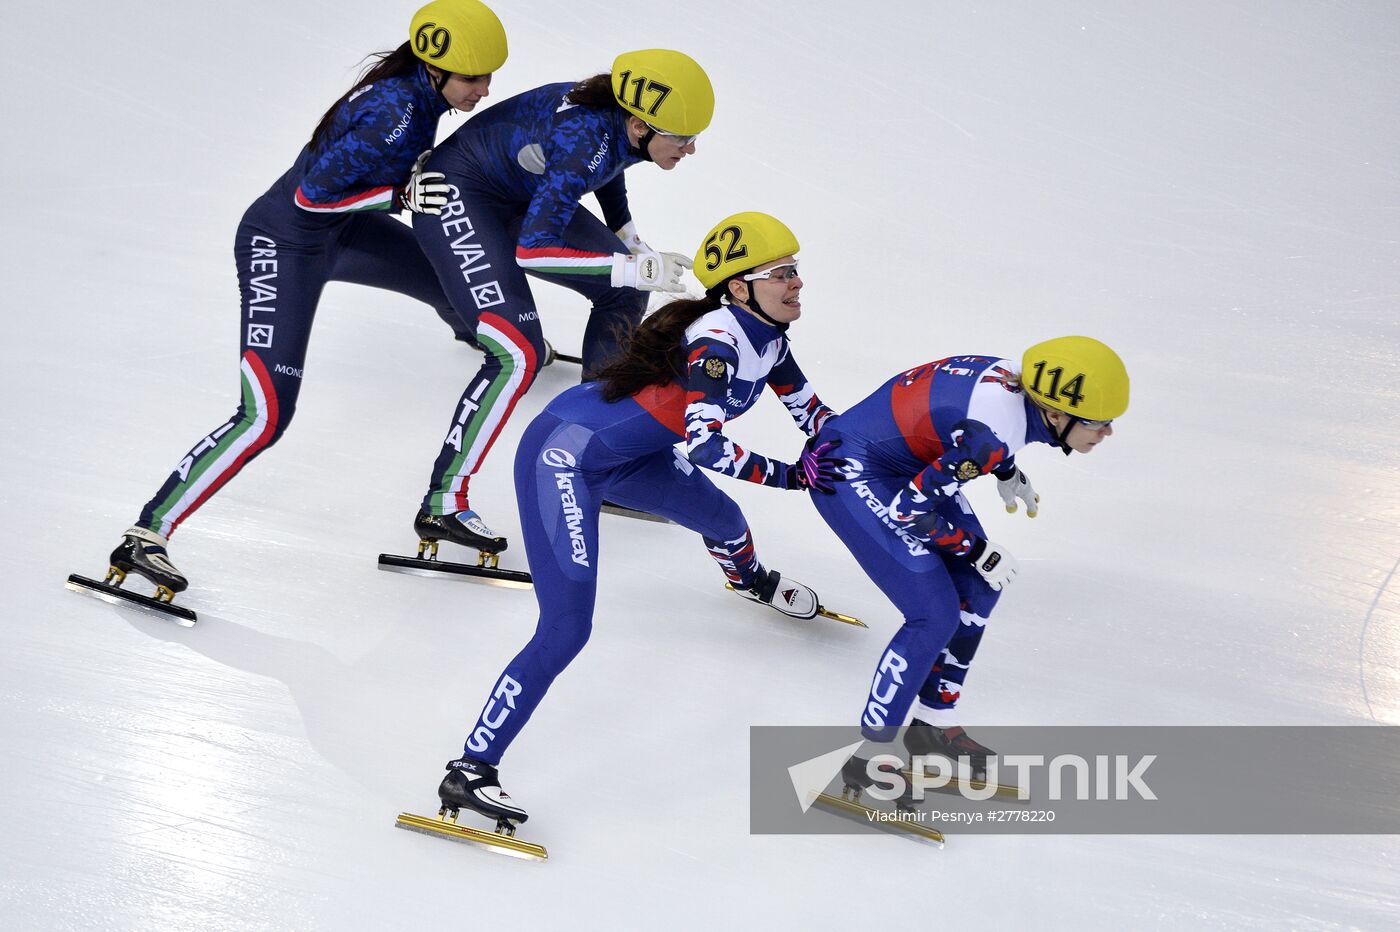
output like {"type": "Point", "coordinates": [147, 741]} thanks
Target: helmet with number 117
{"type": "Point", "coordinates": [459, 36]}
{"type": "Point", "coordinates": [1077, 375]}
{"type": "Point", "coordinates": [739, 243]}
{"type": "Point", "coordinates": [667, 90]}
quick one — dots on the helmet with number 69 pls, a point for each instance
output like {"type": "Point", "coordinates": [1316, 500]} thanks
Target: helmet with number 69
{"type": "Point", "coordinates": [459, 36]}
{"type": "Point", "coordinates": [739, 243]}
{"type": "Point", "coordinates": [667, 90]}
{"type": "Point", "coordinates": [1076, 375]}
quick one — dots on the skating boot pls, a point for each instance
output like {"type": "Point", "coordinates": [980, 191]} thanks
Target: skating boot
{"type": "Point", "coordinates": [143, 552]}
{"type": "Point", "coordinates": [921, 739]}
{"type": "Point", "coordinates": [548, 356]}
{"type": "Point", "coordinates": [464, 527]}
{"type": "Point", "coordinates": [474, 785]}
{"type": "Point", "coordinates": [787, 596]}
{"type": "Point", "coordinates": [856, 779]}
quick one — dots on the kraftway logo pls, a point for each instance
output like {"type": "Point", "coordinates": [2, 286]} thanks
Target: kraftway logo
{"type": "Point", "coordinates": [556, 458]}
{"type": "Point", "coordinates": [564, 461]}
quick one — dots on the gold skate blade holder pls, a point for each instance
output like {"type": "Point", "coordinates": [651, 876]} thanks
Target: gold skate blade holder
{"type": "Point", "coordinates": [115, 577]}
{"type": "Point", "coordinates": [484, 558]}
{"type": "Point", "coordinates": [496, 841]}
{"type": "Point", "coordinates": [825, 612]}
{"type": "Point", "coordinates": [957, 784]}
{"type": "Point", "coordinates": [844, 806]}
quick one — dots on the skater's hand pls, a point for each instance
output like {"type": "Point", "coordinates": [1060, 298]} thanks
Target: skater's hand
{"type": "Point", "coordinates": [994, 564]}
{"type": "Point", "coordinates": [425, 192]}
{"type": "Point", "coordinates": [634, 243]}
{"type": "Point", "coordinates": [650, 271]}
{"type": "Point", "coordinates": [817, 469]}
{"type": "Point", "coordinates": [1019, 486]}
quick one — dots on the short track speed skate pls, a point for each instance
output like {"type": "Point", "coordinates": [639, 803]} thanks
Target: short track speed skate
{"type": "Point", "coordinates": [904, 818]}
{"type": "Point", "coordinates": [963, 751]}
{"type": "Point", "coordinates": [142, 552]}
{"type": "Point", "coordinates": [790, 597]}
{"type": "Point", "coordinates": [476, 786]}
{"type": "Point", "coordinates": [463, 528]}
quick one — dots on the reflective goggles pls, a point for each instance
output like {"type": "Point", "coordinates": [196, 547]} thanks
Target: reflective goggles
{"type": "Point", "coordinates": [679, 139]}
{"type": "Point", "coordinates": [1094, 425]}
{"type": "Point", "coordinates": [783, 273]}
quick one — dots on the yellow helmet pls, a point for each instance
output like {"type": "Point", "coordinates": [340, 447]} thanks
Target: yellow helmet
{"type": "Point", "coordinates": [666, 89]}
{"type": "Point", "coordinates": [459, 36]}
{"type": "Point", "coordinates": [739, 243]}
{"type": "Point", "coordinates": [1076, 375]}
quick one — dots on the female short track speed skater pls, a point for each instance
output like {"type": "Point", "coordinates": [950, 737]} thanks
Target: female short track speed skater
{"type": "Point", "coordinates": [516, 175]}
{"type": "Point", "coordinates": [909, 448]}
{"type": "Point", "coordinates": [692, 366]}
{"type": "Point", "coordinates": [328, 219]}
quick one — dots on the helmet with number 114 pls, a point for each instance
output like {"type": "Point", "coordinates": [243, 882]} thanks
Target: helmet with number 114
{"type": "Point", "coordinates": [459, 36]}
{"type": "Point", "coordinates": [1077, 375]}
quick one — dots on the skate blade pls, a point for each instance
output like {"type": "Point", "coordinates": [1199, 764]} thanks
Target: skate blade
{"type": "Point", "coordinates": [117, 596]}
{"type": "Point", "coordinates": [822, 610]}
{"type": "Point", "coordinates": [957, 784]}
{"type": "Point", "coordinates": [504, 844]}
{"type": "Point", "coordinates": [565, 357]}
{"type": "Point", "coordinates": [417, 566]}
{"type": "Point", "coordinates": [841, 806]}
{"type": "Point", "coordinates": [825, 612]}
{"type": "Point", "coordinates": [623, 512]}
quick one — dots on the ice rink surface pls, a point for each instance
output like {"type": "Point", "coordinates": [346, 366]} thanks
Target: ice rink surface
{"type": "Point", "coordinates": [1209, 187]}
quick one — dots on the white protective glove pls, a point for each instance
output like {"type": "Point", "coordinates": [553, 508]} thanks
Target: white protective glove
{"type": "Point", "coordinates": [650, 271]}
{"type": "Point", "coordinates": [425, 192]}
{"type": "Point", "coordinates": [634, 243]}
{"type": "Point", "coordinates": [994, 564]}
{"type": "Point", "coordinates": [1018, 486]}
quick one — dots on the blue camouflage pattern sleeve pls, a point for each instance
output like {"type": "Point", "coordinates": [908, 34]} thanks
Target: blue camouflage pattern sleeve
{"type": "Point", "coordinates": [710, 365]}
{"type": "Point", "coordinates": [579, 156]}
{"type": "Point", "coordinates": [369, 149]}
{"type": "Point", "coordinates": [975, 451]}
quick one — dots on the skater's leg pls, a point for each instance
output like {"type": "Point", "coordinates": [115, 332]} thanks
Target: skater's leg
{"type": "Point", "coordinates": [669, 485]}
{"type": "Point", "coordinates": [280, 286]}
{"type": "Point", "coordinates": [559, 520]}
{"type": "Point", "coordinates": [914, 579]}
{"type": "Point", "coordinates": [380, 251]}
{"type": "Point", "coordinates": [474, 256]}
{"type": "Point", "coordinates": [944, 686]}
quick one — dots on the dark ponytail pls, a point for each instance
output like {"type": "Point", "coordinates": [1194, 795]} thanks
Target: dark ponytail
{"type": "Point", "coordinates": [594, 92]}
{"type": "Point", "coordinates": [387, 65]}
{"type": "Point", "coordinates": [655, 352]}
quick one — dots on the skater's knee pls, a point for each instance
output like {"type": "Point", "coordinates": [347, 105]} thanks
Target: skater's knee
{"type": "Point", "coordinates": [560, 637]}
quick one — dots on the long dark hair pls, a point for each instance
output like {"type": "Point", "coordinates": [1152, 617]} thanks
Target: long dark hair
{"type": "Point", "coordinates": [655, 352]}
{"type": "Point", "coordinates": [593, 92]}
{"type": "Point", "coordinates": [386, 65]}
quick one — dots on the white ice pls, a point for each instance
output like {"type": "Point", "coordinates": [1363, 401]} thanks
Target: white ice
{"type": "Point", "coordinates": [1210, 187]}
